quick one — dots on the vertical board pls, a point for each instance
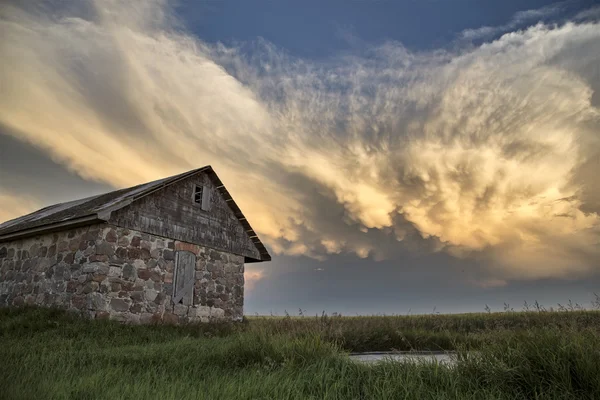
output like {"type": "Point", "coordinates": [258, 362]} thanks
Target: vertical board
{"type": "Point", "coordinates": [183, 288]}
{"type": "Point", "coordinates": [206, 198]}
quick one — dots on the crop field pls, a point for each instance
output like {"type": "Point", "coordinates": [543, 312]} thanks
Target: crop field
{"type": "Point", "coordinates": [51, 354]}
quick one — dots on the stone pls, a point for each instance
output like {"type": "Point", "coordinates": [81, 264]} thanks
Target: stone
{"type": "Point", "coordinates": [105, 248]}
{"type": "Point", "coordinates": [130, 272]}
{"type": "Point", "coordinates": [155, 276]}
{"type": "Point", "coordinates": [3, 252]}
{"type": "Point", "coordinates": [217, 313]}
{"type": "Point", "coordinates": [98, 257]}
{"type": "Point", "coordinates": [123, 241]}
{"type": "Point", "coordinates": [160, 298]}
{"type": "Point", "coordinates": [90, 250]}
{"type": "Point", "coordinates": [77, 301]}
{"type": "Point", "coordinates": [200, 311]}
{"type": "Point", "coordinates": [150, 294]}
{"type": "Point", "coordinates": [211, 267]}
{"type": "Point", "coordinates": [200, 264]}
{"type": "Point", "coordinates": [72, 286]}
{"type": "Point", "coordinates": [137, 296]}
{"type": "Point", "coordinates": [96, 301]}
{"type": "Point", "coordinates": [135, 241]}
{"type": "Point", "coordinates": [231, 268]}
{"type": "Point", "coordinates": [74, 244]}
{"type": "Point", "coordinates": [120, 305]}
{"type": "Point", "coordinates": [133, 253]}
{"type": "Point", "coordinates": [168, 255]}
{"type": "Point", "coordinates": [215, 255]}
{"type": "Point", "coordinates": [155, 253]}
{"type": "Point", "coordinates": [90, 287]}
{"type": "Point", "coordinates": [91, 234]}
{"type": "Point", "coordinates": [145, 254]}
{"type": "Point", "coordinates": [224, 296]}
{"type": "Point", "coordinates": [180, 309]}
{"type": "Point", "coordinates": [111, 236]}
{"type": "Point", "coordinates": [114, 271]}
{"type": "Point", "coordinates": [34, 249]}
{"type": "Point", "coordinates": [69, 258]}
{"type": "Point", "coordinates": [144, 274]}
{"type": "Point", "coordinates": [121, 252]}
{"type": "Point", "coordinates": [136, 308]}
{"type": "Point", "coordinates": [90, 268]}
{"type": "Point", "coordinates": [59, 286]}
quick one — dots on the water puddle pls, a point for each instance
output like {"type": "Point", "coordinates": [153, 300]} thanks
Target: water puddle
{"type": "Point", "coordinates": [447, 358]}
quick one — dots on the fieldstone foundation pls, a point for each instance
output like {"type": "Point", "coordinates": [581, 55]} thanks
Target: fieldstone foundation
{"type": "Point", "coordinates": [104, 271]}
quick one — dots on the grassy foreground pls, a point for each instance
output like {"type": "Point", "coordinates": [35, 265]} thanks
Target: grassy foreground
{"type": "Point", "coordinates": [49, 354]}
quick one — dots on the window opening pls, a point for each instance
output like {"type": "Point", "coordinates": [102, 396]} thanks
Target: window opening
{"type": "Point", "coordinates": [198, 192]}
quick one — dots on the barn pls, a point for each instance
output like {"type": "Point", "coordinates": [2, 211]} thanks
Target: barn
{"type": "Point", "coordinates": [172, 250]}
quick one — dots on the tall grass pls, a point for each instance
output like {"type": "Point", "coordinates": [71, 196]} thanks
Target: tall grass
{"type": "Point", "coordinates": [50, 354]}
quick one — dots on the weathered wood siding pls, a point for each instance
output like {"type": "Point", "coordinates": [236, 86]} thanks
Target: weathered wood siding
{"type": "Point", "coordinates": [170, 212]}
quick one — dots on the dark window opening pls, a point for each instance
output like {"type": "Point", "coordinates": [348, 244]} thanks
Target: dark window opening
{"type": "Point", "coordinates": [198, 194]}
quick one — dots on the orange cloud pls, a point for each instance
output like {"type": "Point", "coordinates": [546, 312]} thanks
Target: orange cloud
{"type": "Point", "coordinates": [476, 149]}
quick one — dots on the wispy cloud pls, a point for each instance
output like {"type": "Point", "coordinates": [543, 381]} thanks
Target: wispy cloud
{"type": "Point", "coordinates": [589, 15]}
{"type": "Point", "coordinates": [465, 151]}
{"type": "Point", "coordinates": [519, 20]}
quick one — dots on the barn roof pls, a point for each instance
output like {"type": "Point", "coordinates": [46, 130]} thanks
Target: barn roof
{"type": "Point", "coordinates": [98, 208]}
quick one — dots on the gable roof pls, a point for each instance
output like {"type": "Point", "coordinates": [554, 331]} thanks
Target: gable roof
{"type": "Point", "coordinates": [98, 209]}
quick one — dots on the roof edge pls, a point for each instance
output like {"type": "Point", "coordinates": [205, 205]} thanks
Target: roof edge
{"type": "Point", "coordinates": [57, 226]}
{"type": "Point", "coordinates": [262, 250]}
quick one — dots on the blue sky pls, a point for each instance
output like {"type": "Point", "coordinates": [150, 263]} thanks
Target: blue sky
{"type": "Point", "coordinates": [315, 29]}
{"type": "Point", "coordinates": [394, 156]}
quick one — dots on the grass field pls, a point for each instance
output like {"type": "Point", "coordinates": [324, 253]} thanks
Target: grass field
{"type": "Point", "coordinates": [49, 354]}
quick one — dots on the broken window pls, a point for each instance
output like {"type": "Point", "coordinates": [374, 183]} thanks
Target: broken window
{"type": "Point", "coordinates": [202, 196]}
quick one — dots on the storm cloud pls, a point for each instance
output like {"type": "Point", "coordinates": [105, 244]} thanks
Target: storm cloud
{"type": "Point", "coordinates": [486, 152]}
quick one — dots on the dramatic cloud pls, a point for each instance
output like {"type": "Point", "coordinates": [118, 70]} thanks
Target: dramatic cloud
{"type": "Point", "coordinates": [485, 152]}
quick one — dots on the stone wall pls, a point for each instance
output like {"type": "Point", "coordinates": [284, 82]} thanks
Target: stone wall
{"type": "Point", "coordinates": [104, 271]}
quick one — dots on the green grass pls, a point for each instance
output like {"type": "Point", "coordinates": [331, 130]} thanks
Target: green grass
{"type": "Point", "coordinates": [50, 354]}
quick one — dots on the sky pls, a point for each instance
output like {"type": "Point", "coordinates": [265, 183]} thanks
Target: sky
{"type": "Point", "coordinates": [395, 157]}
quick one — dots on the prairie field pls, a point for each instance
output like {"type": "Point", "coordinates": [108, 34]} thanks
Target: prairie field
{"type": "Point", "coordinates": [51, 354]}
